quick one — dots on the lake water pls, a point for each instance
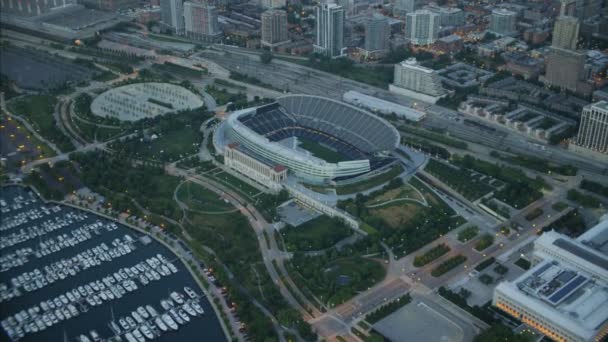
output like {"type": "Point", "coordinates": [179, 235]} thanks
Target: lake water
{"type": "Point", "coordinates": [200, 328]}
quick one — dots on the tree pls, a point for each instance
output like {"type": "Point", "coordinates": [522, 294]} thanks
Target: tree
{"type": "Point", "coordinates": [266, 57]}
{"type": "Point", "coordinates": [499, 332]}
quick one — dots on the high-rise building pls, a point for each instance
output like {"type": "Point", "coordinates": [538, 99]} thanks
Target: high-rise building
{"type": "Point", "coordinates": [29, 8]}
{"type": "Point", "coordinates": [503, 21]}
{"type": "Point", "coordinates": [273, 3]}
{"type": "Point", "coordinates": [413, 80]}
{"type": "Point", "coordinates": [377, 32]}
{"type": "Point", "coordinates": [422, 27]}
{"type": "Point", "coordinates": [593, 130]}
{"type": "Point", "coordinates": [403, 7]}
{"type": "Point", "coordinates": [200, 21]}
{"type": "Point", "coordinates": [274, 28]}
{"type": "Point", "coordinates": [565, 32]}
{"type": "Point", "coordinates": [448, 16]}
{"type": "Point", "coordinates": [565, 69]}
{"type": "Point", "coordinates": [329, 39]}
{"type": "Point", "coordinates": [110, 5]}
{"type": "Point", "coordinates": [564, 295]}
{"type": "Point", "coordinates": [172, 15]}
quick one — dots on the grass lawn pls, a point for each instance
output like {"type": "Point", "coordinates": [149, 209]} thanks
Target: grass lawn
{"type": "Point", "coordinates": [320, 151]}
{"type": "Point", "coordinates": [335, 281]}
{"type": "Point", "coordinates": [319, 233]}
{"type": "Point", "coordinates": [237, 184]}
{"type": "Point", "coordinates": [393, 172]}
{"type": "Point", "coordinates": [38, 111]}
{"type": "Point", "coordinates": [200, 199]}
{"type": "Point", "coordinates": [170, 146]}
{"type": "Point", "coordinates": [92, 132]}
{"type": "Point", "coordinates": [403, 192]}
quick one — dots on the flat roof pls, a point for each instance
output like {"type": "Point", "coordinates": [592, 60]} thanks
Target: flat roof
{"type": "Point", "coordinates": [582, 253]}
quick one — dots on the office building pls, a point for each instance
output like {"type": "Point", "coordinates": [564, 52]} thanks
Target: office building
{"type": "Point", "coordinates": [422, 27]}
{"type": "Point", "coordinates": [565, 33]}
{"type": "Point", "coordinates": [172, 15]}
{"type": "Point", "coordinates": [377, 32]}
{"type": "Point", "coordinates": [565, 69]}
{"type": "Point", "coordinates": [502, 22]}
{"type": "Point", "coordinates": [403, 7]}
{"type": "Point", "coordinates": [274, 28]}
{"type": "Point", "coordinates": [329, 38]}
{"type": "Point", "coordinates": [200, 21]}
{"type": "Point", "coordinates": [413, 80]}
{"type": "Point", "coordinates": [593, 129]}
{"type": "Point", "coordinates": [448, 16]}
{"type": "Point", "coordinates": [273, 3]}
{"type": "Point", "coordinates": [29, 8]}
{"type": "Point", "coordinates": [564, 295]}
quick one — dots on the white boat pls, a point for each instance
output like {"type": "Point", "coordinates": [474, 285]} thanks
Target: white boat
{"type": "Point", "coordinates": [130, 337]}
{"type": "Point", "coordinates": [137, 317]}
{"type": "Point", "coordinates": [189, 309]}
{"type": "Point", "coordinates": [142, 312]}
{"type": "Point", "coordinates": [123, 324]}
{"type": "Point", "coordinates": [146, 331]}
{"type": "Point", "coordinates": [176, 317]}
{"type": "Point", "coordinates": [160, 324]}
{"type": "Point", "coordinates": [115, 327]}
{"type": "Point", "coordinates": [131, 322]}
{"type": "Point", "coordinates": [166, 304]}
{"type": "Point", "coordinates": [95, 335]}
{"type": "Point", "coordinates": [138, 336]}
{"type": "Point", "coordinates": [151, 310]}
{"type": "Point", "coordinates": [170, 322]}
{"type": "Point", "coordinates": [183, 315]}
{"type": "Point", "coordinates": [190, 292]}
{"type": "Point", "coordinates": [84, 338]}
{"type": "Point", "coordinates": [196, 306]}
{"type": "Point", "coordinates": [177, 297]}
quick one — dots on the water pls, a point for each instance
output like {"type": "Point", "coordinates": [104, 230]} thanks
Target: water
{"type": "Point", "coordinates": [200, 328]}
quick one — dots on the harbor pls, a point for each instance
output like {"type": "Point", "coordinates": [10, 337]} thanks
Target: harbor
{"type": "Point", "coordinates": [70, 275]}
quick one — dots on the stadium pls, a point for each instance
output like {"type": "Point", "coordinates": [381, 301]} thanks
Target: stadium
{"type": "Point", "coordinates": [318, 139]}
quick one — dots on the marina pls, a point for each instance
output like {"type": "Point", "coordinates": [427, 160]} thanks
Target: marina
{"type": "Point", "coordinates": [70, 275]}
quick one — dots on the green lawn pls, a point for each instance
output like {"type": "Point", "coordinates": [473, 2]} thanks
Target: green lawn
{"type": "Point", "coordinates": [200, 199]}
{"type": "Point", "coordinates": [334, 281]}
{"type": "Point", "coordinates": [237, 184]}
{"type": "Point", "coordinates": [38, 111]}
{"type": "Point", "coordinates": [319, 233]}
{"type": "Point", "coordinates": [393, 172]}
{"type": "Point", "coordinates": [468, 233]}
{"type": "Point", "coordinates": [170, 146]}
{"type": "Point", "coordinates": [320, 151]}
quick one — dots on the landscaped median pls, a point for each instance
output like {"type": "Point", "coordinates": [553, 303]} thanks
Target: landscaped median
{"type": "Point", "coordinates": [431, 255]}
{"type": "Point", "coordinates": [388, 309]}
{"type": "Point", "coordinates": [448, 265]}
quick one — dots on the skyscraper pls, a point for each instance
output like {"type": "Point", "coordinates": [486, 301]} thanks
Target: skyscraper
{"type": "Point", "coordinates": [329, 39]}
{"type": "Point", "coordinates": [273, 3]}
{"type": "Point", "coordinates": [502, 22]}
{"type": "Point", "coordinates": [377, 32]}
{"type": "Point", "coordinates": [200, 21]}
{"type": "Point", "coordinates": [413, 80]}
{"type": "Point", "coordinates": [172, 15]}
{"type": "Point", "coordinates": [565, 32]}
{"type": "Point", "coordinates": [403, 7]}
{"type": "Point", "coordinates": [422, 27]}
{"type": "Point", "coordinates": [593, 130]}
{"type": "Point", "coordinates": [566, 66]}
{"type": "Point", "coordinates": [274, 28]}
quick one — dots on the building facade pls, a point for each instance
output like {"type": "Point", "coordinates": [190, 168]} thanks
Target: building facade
{"type": "Point", "coordinates": [413, 80]}
{"type": "Point", "coordinates": [422, 27]}
{"type": "Point", "coordinates": [273, 3]}
{"type": "Point", "coordinates": [329, 38]}
{"type": "Point", "coordinates": [172, 15]}
{"type": "Point", "coordinates": [593, 129]}
{"type": "Point", "coordinates": [200, 21]}
{"type": "Point", "coordinates": [377, 32]}
{"type": "Point", "coordinates": [270, 176]}
{"type": "Point", "coordinates": [502, 22]}
{"type": "Point", "coordinates": [565, 33]}
{"type": "Point", "coordinates": [30, 8]}
{"type": "Point", "coordinates": [403, 7]}
{"type": "Point", "coordinates": [274, 28]}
